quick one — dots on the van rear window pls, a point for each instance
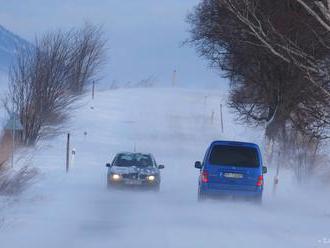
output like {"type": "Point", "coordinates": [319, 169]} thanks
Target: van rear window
{"type": "Point", "coordinates": [239, 156]}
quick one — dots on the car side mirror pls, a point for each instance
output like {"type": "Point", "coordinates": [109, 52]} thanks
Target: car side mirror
{"type": "Point", "coordinates": [108, 165]}
{"type": "Point", "coordinates": [264, 170]}
{"type": "Point", "coordinates": [161, 166]}
{"type": "Point", "coordinates": [198, 165]}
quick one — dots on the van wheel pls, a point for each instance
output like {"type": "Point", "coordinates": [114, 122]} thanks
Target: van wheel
{"type": "Point", "coordinates": [200, 197]}
{"type": "Point", "coordinates": [258, 200]}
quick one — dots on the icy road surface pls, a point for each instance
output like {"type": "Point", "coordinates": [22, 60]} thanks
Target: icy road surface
{"type": "Point", "coordinates": [76, 210]}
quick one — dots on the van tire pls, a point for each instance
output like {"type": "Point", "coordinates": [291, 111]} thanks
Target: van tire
{"type": "Point", "coordinates": [258, 200]}
{"type": "Point", "coordinates": [200, 197]}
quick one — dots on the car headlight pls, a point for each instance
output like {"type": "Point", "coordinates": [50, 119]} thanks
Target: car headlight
{"type": "Point", "coordinates": [116, 177]}
{"type": "Point", "coordinates": [151, 178]}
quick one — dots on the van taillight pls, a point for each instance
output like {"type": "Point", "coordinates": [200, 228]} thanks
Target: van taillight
{"type": "Point", "coordinates": [260, 181]}
{"type": "Point", "coordinates": [205, 177]}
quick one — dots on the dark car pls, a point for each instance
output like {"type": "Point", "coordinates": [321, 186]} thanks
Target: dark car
{"type": "Point", "coordinates": [134, 170]}
{"type": "Point", "coordinates": [232, 169]}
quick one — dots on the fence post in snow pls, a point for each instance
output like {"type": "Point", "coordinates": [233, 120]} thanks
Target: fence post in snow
{"type": "Point", "coordinates": [67, 153]}
{"type": "Point", "coordinates": [73, 156]}
{"type": "Point", "coordinates": [276, 177]}
{"type": "Point", "coordinates": [212, 117]}
{"type": "Point", "coordinates": [93, 90]}
{"type": "Point", "coordinates": [221, 118]}
{"type": "Point", "coordinates": [174, 78]}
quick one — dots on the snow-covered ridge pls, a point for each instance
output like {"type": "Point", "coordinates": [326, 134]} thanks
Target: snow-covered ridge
{"type": "Point", "coordinates": [9, 44]}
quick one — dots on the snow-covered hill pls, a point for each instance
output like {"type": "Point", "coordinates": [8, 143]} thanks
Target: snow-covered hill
{"type": "Point", "coordinates": [76, 210]}
{"type": "Point", "coordinates": [9, 44]}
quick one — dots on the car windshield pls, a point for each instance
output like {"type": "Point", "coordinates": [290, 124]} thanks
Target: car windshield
{"type": "Point", "coordinates": [138, 160]}
{"type": "Point", "coordinates": [238, 156]}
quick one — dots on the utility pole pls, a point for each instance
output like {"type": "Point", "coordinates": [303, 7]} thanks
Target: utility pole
{"type": "Point", "coordinates": [67, 153]}
{"type": "Point", "coordinates": [221, 119]}
{"type": "Point", "coordinates": [174, 79]}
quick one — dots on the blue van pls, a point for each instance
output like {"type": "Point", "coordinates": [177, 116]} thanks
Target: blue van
{"type": "Point", "coordinates": [233, 169]}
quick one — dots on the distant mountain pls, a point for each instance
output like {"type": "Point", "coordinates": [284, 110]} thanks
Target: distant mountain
{"type": "Point", "coordinates": [9, 43]}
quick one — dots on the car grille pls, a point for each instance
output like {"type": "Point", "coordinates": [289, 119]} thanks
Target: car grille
{"type": "Point", "coordinates": [134, 176]}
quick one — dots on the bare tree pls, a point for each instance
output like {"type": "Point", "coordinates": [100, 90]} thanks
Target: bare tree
{"type": "Point", "coordinates": [269, 34]}
{"type": "Point", "coordinates": [49, 77]}
{"type": "Point", "coordinates": [276, 55]}
{"type": "Point", "coordinates": [87, 56]}
{"type": "Point", "coordinates": [320, 10]}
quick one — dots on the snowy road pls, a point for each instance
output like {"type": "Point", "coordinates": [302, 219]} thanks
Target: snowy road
{"type": "Point", "coordinates": [76, 210]}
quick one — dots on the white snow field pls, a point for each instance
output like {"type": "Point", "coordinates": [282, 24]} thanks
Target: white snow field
{"type": "Point", "coordinates": [76, 210]}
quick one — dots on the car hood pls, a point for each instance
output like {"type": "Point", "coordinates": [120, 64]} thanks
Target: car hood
{"type": "Point", "coordinates": [134, 169]}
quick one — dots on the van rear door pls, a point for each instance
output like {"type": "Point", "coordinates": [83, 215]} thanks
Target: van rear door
{"type": "Point", "coordinates": [234, 166]}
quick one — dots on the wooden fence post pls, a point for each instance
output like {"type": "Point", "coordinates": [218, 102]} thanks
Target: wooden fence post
{"type": "Point", "coordinates": [68, 153]}
{"type": "Point", "coordinates": [221, 119]}
{"type": "Point", "coordinates": [93, 90]}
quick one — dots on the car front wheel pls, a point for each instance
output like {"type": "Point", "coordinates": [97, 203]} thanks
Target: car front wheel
{"type": "Point", "coordinates": [156, 188]}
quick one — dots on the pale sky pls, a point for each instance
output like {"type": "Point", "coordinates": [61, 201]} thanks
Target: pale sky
{"type": "Point", "coordinates": [144, 36]}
